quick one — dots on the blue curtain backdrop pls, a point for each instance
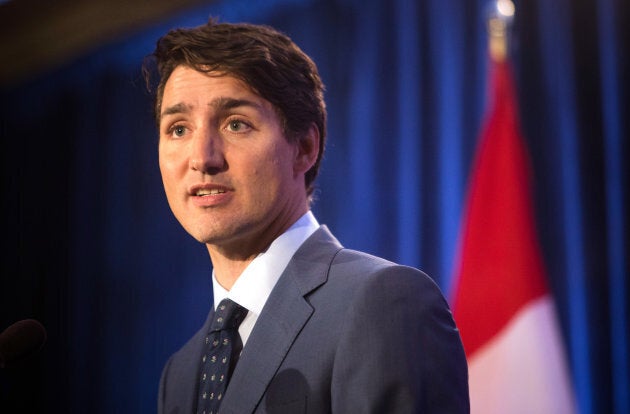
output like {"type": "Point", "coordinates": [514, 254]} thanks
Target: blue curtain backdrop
{"type": "Point", "coordinates": [92, 250]}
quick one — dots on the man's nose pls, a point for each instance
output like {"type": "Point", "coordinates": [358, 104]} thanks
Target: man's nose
{"type": "Point", "coordinates": [207, 152]}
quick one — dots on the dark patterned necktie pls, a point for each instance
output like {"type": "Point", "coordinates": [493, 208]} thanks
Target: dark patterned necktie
{"type": "Point", "coordinates": [223, 347]}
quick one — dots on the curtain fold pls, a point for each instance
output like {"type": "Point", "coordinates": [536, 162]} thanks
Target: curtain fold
{"type": "Point", "coordinates": [613, 86]}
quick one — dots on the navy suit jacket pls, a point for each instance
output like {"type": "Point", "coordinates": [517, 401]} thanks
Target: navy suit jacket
{"type": "Point", "coordinates": [341, 332]}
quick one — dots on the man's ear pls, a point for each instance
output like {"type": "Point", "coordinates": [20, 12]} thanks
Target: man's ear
{"type": "Point", "coordinates": [307, 150]}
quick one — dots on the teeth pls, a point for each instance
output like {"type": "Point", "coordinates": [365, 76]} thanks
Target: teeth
{"type": "Point", "coordinates": [214, 191]}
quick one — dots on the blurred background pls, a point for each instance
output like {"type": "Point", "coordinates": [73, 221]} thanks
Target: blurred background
{"type": "Point", "coordinates": [91, 249]}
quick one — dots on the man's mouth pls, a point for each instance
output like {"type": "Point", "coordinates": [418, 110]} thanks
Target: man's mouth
{"type": "Point", "coordinates": [204, 192]}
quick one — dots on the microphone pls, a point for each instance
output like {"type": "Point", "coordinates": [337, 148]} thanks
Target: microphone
{"type": "Point", "coordinates": [20, 340]}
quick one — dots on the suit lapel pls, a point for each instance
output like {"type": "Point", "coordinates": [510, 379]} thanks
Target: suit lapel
{"type": "Point", "coordinates": [282, 318]}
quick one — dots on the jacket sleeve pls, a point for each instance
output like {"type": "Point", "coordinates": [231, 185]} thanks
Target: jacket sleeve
{"type": "Point", "coordinates": [400, 351]}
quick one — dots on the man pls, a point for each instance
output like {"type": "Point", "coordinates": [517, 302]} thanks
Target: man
{"type": "Point", "coordinates": [319, 328]}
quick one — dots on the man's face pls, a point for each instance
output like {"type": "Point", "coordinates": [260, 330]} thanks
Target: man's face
{"type": "Point", "coordinates": [230, 176]}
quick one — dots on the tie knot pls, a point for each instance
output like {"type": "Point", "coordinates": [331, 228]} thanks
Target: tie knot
{"type": "Point", "coordinates": [228, 315]}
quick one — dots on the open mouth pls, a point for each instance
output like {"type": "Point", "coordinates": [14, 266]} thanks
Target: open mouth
{"type": "Point", "coordinates": [205, 193]}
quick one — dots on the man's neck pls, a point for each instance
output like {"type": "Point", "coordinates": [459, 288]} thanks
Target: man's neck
{"type": "Point", "coordinates": [229, 261]}
{"type": "Point", "coordinates": [227, 271]}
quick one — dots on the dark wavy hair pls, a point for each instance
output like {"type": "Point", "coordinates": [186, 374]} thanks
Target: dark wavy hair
{"type": "Point", "coordinates": [268, 61]}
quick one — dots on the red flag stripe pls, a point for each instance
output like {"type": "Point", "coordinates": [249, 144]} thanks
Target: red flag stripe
{"type": "Point", "coordinates": [501, 267]}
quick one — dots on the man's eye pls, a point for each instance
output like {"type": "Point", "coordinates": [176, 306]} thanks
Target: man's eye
{"type": "Point", "coordinates": [236, 125]}
{"type": "Point", "coordinates": [178, 131]}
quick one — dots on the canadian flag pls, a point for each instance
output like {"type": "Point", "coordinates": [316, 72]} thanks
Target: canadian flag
{"type": "Point", "coordinates": [501, 303]}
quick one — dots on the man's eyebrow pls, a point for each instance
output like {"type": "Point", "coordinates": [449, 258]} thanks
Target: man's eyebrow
{"type": "Point", "coordinates": [225, 104]}
{"type": "Point", "coordinates": [179, 108]}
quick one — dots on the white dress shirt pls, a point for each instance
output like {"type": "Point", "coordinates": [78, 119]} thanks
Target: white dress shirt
{"type": "Point", "coordinates": [254, 285]}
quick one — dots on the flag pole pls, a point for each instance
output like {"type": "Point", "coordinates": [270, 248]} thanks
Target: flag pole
{"type": "Point", "coordinates": [498, 26]}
